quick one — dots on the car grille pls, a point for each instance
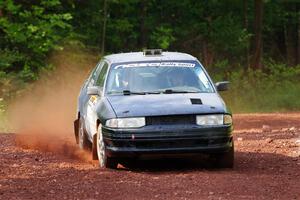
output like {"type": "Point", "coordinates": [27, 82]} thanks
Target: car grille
{"type": "Point", "coordinates": [173, 119]}
{"type": "Point", "coordinates": [179, 143]}
{"type": "Point", "coordinates": [184, 143]}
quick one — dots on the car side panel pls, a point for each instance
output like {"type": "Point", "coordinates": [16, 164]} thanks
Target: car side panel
{"type": "Point", "coordinates": [95, 107]}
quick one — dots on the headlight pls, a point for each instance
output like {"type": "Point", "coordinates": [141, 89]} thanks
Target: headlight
{"type": "Point", "coordinates": [126, 122]}
{"type": "Point", "coordinates": [213, 120]}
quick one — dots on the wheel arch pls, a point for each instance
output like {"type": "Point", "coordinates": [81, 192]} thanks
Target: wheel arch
{"type": "Point", "coordinates": [98, 122]}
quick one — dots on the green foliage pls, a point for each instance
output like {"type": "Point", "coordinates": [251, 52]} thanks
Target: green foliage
{"type": "Point", "coordinates": [28, 32]}
{"type": "Point", "coordinates": [162, 37]}
{"type": "Point", "coordinates": [87, 20]}
{"type": "Point", "coordinates": [219, 33]}
{"type": "Point", "coordinates": [210, 30]}
{"type": "Point", "coordinates": [8, 57]}
{"type": "Point", "coordinates": [120, 32]}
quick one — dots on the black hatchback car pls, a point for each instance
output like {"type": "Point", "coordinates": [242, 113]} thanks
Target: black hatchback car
{"type": "Point", "coordinates": [153, 103]}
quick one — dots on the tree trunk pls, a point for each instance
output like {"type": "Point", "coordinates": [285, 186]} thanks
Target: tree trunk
{"type": "Point", "coordinates": [245, 8]}
{"type": "Point", "coordinates": [258, 19]}
{"type": "Point", "coordinates": [290, 35]}
{"type": "Point", "coordinates": [290, 44]}
{"type": "Point", "coordinates": [143, 30]}
{"type": "Point", "coordinates": [298, 36]}
{"type": "Point", "coordinates": [104, 27]}
{"type": "Point", "coordinates": [207, 54]}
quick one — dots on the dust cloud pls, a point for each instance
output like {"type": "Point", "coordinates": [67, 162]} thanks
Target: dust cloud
{"type": "Point", "coordinates": [43, 115]}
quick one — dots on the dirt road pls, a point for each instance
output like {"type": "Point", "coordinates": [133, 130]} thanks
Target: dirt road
{"type": "Point", "coordinates": [267, 167]}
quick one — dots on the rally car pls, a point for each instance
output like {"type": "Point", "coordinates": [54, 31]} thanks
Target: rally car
{"type": "Point", "coordinates": [153, 103]}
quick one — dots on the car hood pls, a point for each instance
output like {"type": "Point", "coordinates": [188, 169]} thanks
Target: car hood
{"type": "Point", "coordinates": [166, 104]}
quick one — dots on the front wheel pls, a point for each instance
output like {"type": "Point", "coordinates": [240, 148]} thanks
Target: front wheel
{"type": "Point", "coordinates": [225, 160]}
{"type": "Point", "coordinates": [104, 160]}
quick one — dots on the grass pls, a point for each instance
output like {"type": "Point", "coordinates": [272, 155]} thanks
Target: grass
{"type": "Point", "coordinates": [3, 117]}
{"type": "Point", "coordinates": [275, 91]}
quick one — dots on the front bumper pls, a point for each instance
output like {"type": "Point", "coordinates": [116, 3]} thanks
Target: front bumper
{"type": "Point", "coordinates": [167, 139]}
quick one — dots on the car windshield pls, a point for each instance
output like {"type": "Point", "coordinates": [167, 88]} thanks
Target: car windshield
{"type": "Point", "coordinates": [158, 77]}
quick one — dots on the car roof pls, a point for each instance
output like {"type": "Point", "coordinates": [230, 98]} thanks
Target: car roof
{"type": "Point", "coordinates": [139, 56]}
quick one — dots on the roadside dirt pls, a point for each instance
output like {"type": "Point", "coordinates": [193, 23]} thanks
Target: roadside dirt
{"type": "Point", "coordinates": [267, 166]}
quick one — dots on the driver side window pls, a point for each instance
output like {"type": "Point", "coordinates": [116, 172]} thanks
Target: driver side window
{"type": "Point", "coordinates": [102, 75]}
{"type": "Point", "coordinates": [94, 74]}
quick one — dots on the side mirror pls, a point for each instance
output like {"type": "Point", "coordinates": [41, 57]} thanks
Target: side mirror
{"type": "Point", "coordinates": [222, 86]}
{"type": "Point", "coordinates": [94, 90]}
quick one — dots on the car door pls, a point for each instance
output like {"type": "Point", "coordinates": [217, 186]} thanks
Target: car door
{"type": "Point", "coordinates": [91, 115]}
{"type": "Point", "coordinates": [83, 97]}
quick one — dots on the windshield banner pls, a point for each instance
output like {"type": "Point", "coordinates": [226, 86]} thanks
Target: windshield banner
{"type": "Point", "coordinates": [156, 64]}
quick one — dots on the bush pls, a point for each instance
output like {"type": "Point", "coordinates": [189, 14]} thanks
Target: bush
{"type": "Point", "coordinates": [277, 88]}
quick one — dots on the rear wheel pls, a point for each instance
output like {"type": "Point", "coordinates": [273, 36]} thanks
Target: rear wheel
{"type": "Point", "coordinates": [82, 137]}
{"type": "Point", "coordinates": [104, 160]}
{"type": "Point", "coordinates": [225, 160]}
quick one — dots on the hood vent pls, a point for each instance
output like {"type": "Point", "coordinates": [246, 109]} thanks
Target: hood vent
{"type": "Point", "coordinates": [196, 101]}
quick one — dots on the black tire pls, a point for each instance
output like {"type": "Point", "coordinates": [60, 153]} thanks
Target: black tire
{"type": "Point", "coordinates": [103, 158]}
{"type": "Point", "coordinates": [94, 148]}
{"type": "Point", "coordinates": [83, 141]}
{"type": "Point", "coordinates": [225, 160]}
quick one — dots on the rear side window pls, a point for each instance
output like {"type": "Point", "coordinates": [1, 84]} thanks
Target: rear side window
{"type": "Point", "coordinates": [101, 77]}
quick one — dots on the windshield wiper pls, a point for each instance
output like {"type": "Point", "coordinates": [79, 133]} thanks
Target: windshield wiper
{"type": "Point", "coordinates": [170, 91]}
{"type": "Point", "coordinates": [167, 91]}
{"type": "Point", "coordinates": [153, 92]}
{"type": "Point", "coordinates": [128, 92]}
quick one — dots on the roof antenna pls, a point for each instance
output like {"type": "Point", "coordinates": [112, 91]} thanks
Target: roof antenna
{"type": "Point", "coordinates": [152, 52]}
